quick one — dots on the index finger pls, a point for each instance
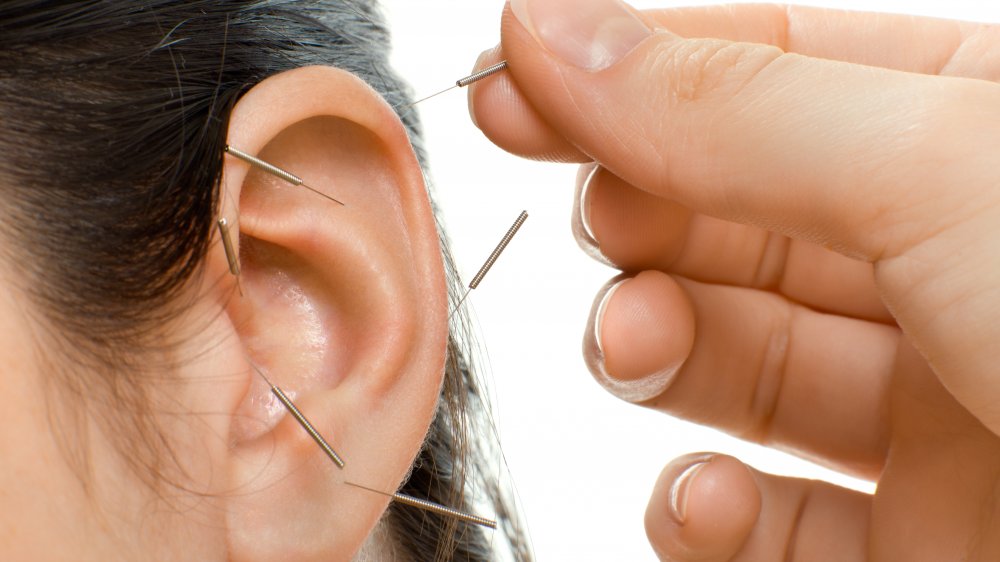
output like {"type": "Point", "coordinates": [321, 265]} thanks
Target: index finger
{"type": "Point", "coordinates": [816, 149]}
{"type": "Point", "coordinates": [894, 41]}
{"type": "Point", "coordinates": [899, 42]}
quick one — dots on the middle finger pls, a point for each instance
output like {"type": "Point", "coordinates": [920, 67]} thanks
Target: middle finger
{"type": "Point", "coordinates": [750, 363]}
{"type": "Point", "coordinates": [635, 230]}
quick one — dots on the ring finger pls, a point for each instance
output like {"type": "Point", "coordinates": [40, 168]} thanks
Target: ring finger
{"type": "Point", "coordinates": [750, 363]}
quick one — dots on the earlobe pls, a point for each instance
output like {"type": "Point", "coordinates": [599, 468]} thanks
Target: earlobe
{"type": "Point", "coordinates": [344, 307]}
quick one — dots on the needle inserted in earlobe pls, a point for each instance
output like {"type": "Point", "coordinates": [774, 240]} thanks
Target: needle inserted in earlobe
{"type": "Point", "coordinates": [300, 417]}
{"type": "Point", "coordinates": [431, 506]}
{"type": "Point", "coordinates": [276, 171]}
{"type": "Point", "coordinates": [490, 261]}
{"type": "Point", "coordinates": [397, 497]}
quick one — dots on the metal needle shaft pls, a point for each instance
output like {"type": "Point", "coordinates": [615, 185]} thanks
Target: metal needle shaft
{"type": "Point", "coordinates": [397, 497]}
{"type": "Point", "coordinates": [484, 73]}
{"type": "Point", "coordinates": [492, 260]}
{"type": "Point", "coordinates": [421, 100]}
{"type": "Point", "coordinates": [301, 418]}
{"type": "Point", "coordinates": [431, 506]}
{"type": "Point", "coordinates": [463, 82]}
{"type": "Point", "coordinates": [231, 256]}
{"type": "Point", "coordinates": [276, 171]}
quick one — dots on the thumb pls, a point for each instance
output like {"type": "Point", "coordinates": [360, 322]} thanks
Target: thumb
{"type": "Point", "coordinates": [820, 150]}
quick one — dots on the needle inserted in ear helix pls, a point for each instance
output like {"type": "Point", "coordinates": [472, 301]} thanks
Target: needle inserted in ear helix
{"type": "Point", "coordinates": [276, 171]}
{"type": "Point", "coordinates": [461, 83]}
{"type": "Point", "coordinates": [430, 506]}
{"type": "Point", "coordinates": [231, 257]}
{"type": "Point", "coordinates": [300, 417]}
{"type": "Point", "coordinates": [490, 261]}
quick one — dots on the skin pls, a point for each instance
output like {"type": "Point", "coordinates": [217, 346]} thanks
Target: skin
{"type": "Point", "coordinates": [810, 196]}
{"type": "Point", "coordinates": [254, 486]}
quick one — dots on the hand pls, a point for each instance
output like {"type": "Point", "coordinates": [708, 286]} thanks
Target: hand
{"type": "Point", "coordinates": [807, 206]}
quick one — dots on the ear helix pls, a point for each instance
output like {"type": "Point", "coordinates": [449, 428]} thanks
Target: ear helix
{"type": "Point", "coordinates": [234, 268]}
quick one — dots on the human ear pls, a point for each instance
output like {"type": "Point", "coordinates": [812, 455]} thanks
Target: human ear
{"type": "Point", "coordinates": [344, 308]}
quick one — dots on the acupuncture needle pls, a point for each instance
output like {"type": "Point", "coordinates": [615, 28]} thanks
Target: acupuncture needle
{"type": "Point", "coordinates": [463, 82]}
{"type": "Point", "coordinates": [231, 257]}
{"type": "Point", "coordinates": [300, 417]}
{"type": "Point", "coordinates": [492, 260]}
{"type": "Point", "coordinates": [430, 506]}
{"type": "Point", "coordinates": [276, 171]}
{"type": "Point", "coordinates": [397, 497]}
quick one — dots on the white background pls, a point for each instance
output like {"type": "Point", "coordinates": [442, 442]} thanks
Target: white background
{"type": "Point", "coordinates": [582, 461]}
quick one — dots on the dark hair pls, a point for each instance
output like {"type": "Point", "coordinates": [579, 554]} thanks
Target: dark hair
{"type": "Point", "coordinates": [113, 117]}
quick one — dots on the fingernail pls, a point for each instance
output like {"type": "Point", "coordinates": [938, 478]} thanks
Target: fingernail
{"type": "Point", "coordinates": [631, 390]}
{"type": "Point", "coordinates": [582, 230]}
{"type": "Point", "coordinates": [584, 207]}
{"type": "Point", "coordinates": [681, 488]}
{"type": "Point", "coordinates": [599, 315]}
{"type": "Point", "coordinates": [591, 34]}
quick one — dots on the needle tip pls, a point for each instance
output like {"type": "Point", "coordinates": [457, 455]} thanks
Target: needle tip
{"type": "Point", "coordinates": [422, 100]}
{"type": "Point", "coordinates": [318, 192]}
{"type": "Point", "coordinates": [259, 372]}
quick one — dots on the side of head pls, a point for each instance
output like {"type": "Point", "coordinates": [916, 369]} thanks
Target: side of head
{"type": "Point", "coordinates": [123, 334]}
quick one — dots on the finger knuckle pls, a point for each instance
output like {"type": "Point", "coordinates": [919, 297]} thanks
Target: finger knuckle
{"type": "Point", "coordinates": [709, 69]}
{"type": "Point", "coordinates": [771, 374]}
{"type": "Point", "coordinates": [936, 176]}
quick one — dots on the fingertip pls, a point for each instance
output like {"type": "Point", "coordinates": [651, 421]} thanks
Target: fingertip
{"type": "Point", "coordinates": [648, 327]}
{"type": "Point", "coordinates": [482, 61]}
{"type": "Point", "coordinates": [640, 333]}
{"type": "Point", "coordinates": [634, 229]}
{"type": "Point", "coordinates": [703, 508]}
{"type": "Point", "coordinates": [499, 109]}
{"type": "Point", "coordinates": [580, 223]}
